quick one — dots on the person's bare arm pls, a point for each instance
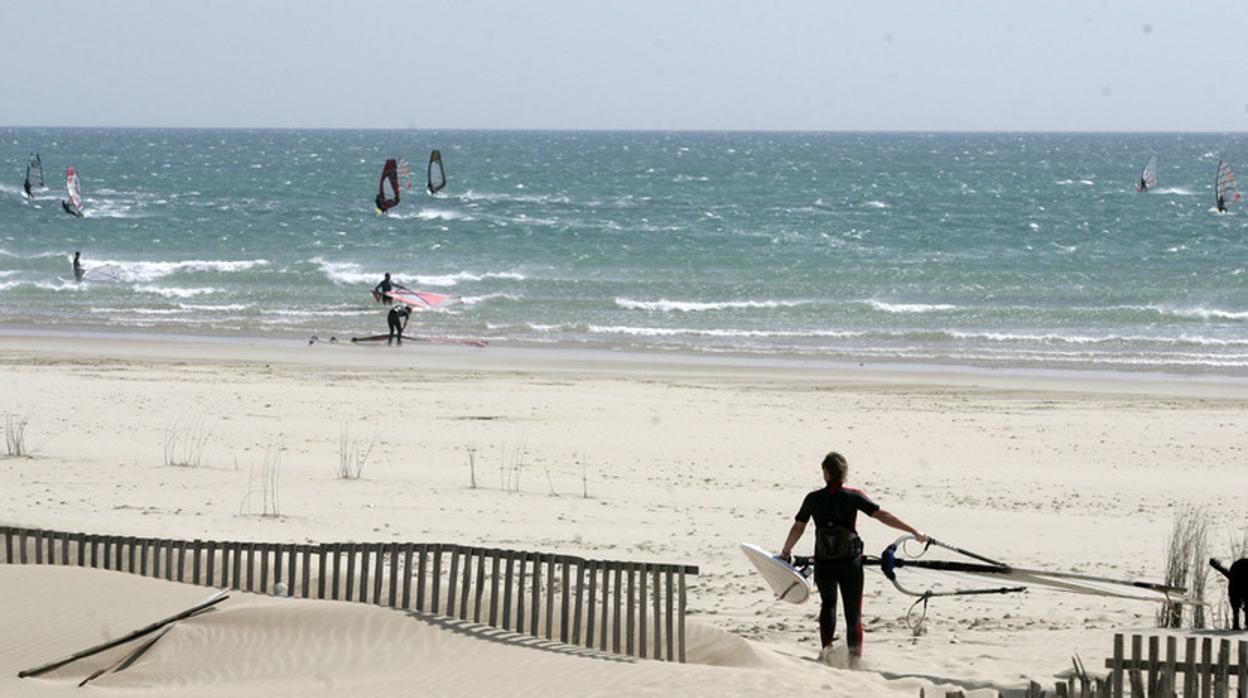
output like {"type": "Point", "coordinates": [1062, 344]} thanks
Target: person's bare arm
{"type": "Point", "coordinates": [795, 534]}
{"type": "Point", "coordinates": [893, 522]}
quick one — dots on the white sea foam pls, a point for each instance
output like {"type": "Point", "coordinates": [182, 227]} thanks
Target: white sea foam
{"type": "Point", "coordinates": [454, 279]}
{"type": "Point", "coordinates": [150, 271]}
{"type": "Point", "coordinates": [350, 273]}
{"type": "Point", "coordinates": [715, 332]}
{"type": "Point", "coordinates": [665, 305]}
{"type": "Point", "coordinates": [910, 307]}
{"type": "Point", "coordinates": [474, 300]}
{"type": "Point", "coordinates": [875, 204]}
{"type": "Point", "coordinates": [1195, 313]}
{"type": "Point", "coordinates": [227, 307]}
{"type": "Point", "coordinates": [1180, 191]}
{"type": "Point", "coordinates": [176, 292]}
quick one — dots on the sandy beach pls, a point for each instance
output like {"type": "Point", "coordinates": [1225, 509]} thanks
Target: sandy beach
{"type": "Point", "coordinates": [651, 458]}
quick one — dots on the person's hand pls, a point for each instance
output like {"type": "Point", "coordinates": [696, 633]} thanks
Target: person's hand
{"type": "Point", "coordinates": [786, 556]}
{"type": "Point", "coordinates": [921, 537]}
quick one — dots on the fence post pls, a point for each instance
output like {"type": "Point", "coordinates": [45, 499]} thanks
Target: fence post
{"type": "Point", "coordinates": [1223, 681]}
{"type": "Point", "coordinates": [436, 579]}
{"type": "Point", "coordinates": [617, 595]}
{"type": "Point", "coordinates": [336, 581]}
{"type": "Point", "coordinates": [641, 609]}
{"type": "Point", "coordinates": [1171, 654]}
{"type": "Point", "coordinates": [322, 569]}
{"type": "Point", "coordinates": [494, 588]}
{"type": "Point", "coordinates": [658, 615]}
{"type": "Point", "coordinates": [393, 549]}
{"type": "Point", "coordinates": [681, 611]}
{"type": "Point", "coordinates": [1116, 666]}
{"type": "Point", "coordinates": [578, 604]}
{"type": "Point", "coordinates": [420, 577]}
{"type": "Point", "coordinates": [550, 597]}
{"type": "Point", "coordinates": [631, 627]}
{"type": "Point", "coordinates": [589, 611]}
{"type": "Point", "coordinates": [305, 574]}
{"type": "Point", "coordinates": [1243, 668]}
{"type": "Point", "coordinates": [1153, 663]}
{"type": "Point", "coordinates": [535, 617]}
{"type": "Point", "coordinates": [466, 585]}
{"type": "Point", "coordinates": [564, 600]}
{"type": "Point", "coordinates": [351, 549]}
{"type": "Point", "coordinates": [8, 545]}
{"type": "Point", "coordinates": [366, 555]}
{"type": "Point", "coordinates": [1191, 679]}
{"type": "Point", "coordinates": [524, 561]}
{"type": "Point", "coordinates": [1206, 669]}
{"type": "Point", "coordinates": [476, 604]}
{"type": "Point", "coordinates": [606, 604]}
{"type": "Point", "coordinates": [452, 580]}
{"type": "Point", "coordinates": [379, 571]}
{"type": "Point", "coordinates": [507, 587]}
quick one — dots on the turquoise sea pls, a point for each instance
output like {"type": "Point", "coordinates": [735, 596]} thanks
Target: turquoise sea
{"type": "Point", "coordinates": [1027, 250]}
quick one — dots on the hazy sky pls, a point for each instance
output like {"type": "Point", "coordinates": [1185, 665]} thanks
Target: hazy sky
{"type": "Point", "coordinates": [1117, 65]}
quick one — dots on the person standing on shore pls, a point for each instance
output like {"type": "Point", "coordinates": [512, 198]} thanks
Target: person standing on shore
{"type": "Point", "coordinates": [838, 550]}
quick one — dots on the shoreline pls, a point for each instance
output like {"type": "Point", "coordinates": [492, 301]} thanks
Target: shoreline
{"type": "Point", "coordinates": [566, 356]}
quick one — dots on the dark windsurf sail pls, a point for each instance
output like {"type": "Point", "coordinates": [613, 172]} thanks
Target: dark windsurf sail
{"type": "Point", "coordinates": [1148, 177]}
{"type": "Point", "coordinates": [390, 178]}
{"type": "Point", "coordinates": [1225, 186]}
{"type": "Point", "coordinates": [74, 187]}
{"type": "Point", "coordinates": [34, 172]}
{"type": "Point", "coordinates": [436, 180]}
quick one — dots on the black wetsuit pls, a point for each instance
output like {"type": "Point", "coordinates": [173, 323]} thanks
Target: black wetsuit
{"type": "Point", "coordinates": [838, 557]}
{"type": "Point", "coordinates": [26, 188]}
{"type": "Point", "coordinates": [1221, 205]}
{"type": "Point", "coordinates": [78, 270]}
{"type": "Point", "coordinates": [396, 318]}
{"type": "Point", "coordinates": [384, 288]}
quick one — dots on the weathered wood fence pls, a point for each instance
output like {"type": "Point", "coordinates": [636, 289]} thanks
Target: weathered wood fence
{"type": "Point", "coordinates": [1169, 674]}
{"type": "Point", "coordinates": [631, 608]}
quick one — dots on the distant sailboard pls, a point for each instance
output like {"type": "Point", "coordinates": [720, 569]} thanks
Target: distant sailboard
{"type": "Point", "coordinates": [436, 175]}
{"type": "Point", "coordinates": [1225, 187]}
{"type": "Point", "coordinates": [1148, 177]}
{"type": "Point", "coordinates": [34, 175]}
{"type": "Point", "coordinates": [387, 200]}
{"type": "Point", "coordinates": [74, 187]}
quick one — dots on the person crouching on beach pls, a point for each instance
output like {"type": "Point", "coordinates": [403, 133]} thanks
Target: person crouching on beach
{"type": "Point", "coordinates": [397, 319]}
{"type": "Point", "coordinates": [838, 550]}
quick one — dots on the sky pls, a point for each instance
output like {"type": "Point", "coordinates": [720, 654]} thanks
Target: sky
{"type": "Point", "coordinates": [825, 65]}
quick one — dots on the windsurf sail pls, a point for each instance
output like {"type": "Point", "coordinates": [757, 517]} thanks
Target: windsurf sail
{"type": "Point", "coordinates": [435, 180]}
{"type": "Point", "coordinates": [34, 172]}
{"type": "Point", "coordinates": [74, 186]}
{"type": "Point", "coordinates": [1225, 186]}
{"type": "Point", "coordinates": [896, 558]}
{"type": "Point", "coordinates": [422, 300]}
{"type": "Point", "coordinates": [389, 176]}
{"type": "Point", "coordinates": [1148, 176]}
{"type": "Point", "coordinates": [405, 175]}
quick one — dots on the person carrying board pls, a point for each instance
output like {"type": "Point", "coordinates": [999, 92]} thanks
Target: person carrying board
{"type": "Point", "coordinates": [838, 550]}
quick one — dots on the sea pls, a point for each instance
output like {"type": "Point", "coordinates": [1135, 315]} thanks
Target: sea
{"type": "Point", "coordinates": [1002, 250]}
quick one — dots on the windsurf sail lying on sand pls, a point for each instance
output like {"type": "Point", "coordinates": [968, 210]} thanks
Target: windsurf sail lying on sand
{"type": "Point", "coordinates": [389, 177]}
{"type": "Point", "coordinates": [1225, 186]}
{"type": "Point", "coordinates": [1148, 177]}
{"type": "Point", "coordinates": [74, 187]}
{"type": "Point", "coordinates": [436, 176]}
{"type": "Point", "coordinates": [34, 172]}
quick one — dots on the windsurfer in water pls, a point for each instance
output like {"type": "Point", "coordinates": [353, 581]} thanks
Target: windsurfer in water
{"type": "Point", "coordinates": [838, 550]}
{"type": "Point", "coordinates": [78, 270]}
{"type": "Point", "coordinates": [26, 188]}
{"type": "Point", "coordinates": [397, 320]}
{"type": "Point", "coordinates": [382, 290]}
{"type": "Point", "coordinates": [1221, 204]}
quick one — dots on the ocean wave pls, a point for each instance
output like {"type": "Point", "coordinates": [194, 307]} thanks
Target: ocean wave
{"type": "Point", "coordinates": [176, 292]}
{"type": "Point", "coordinates": [1194, 313]}
{"type": "Point", "coordinates": [716, 332]}
{"type": "Point", "coordinates": [1052, 338]}
{"type": "Point", "coordinates": [875, 204]}
{"type": "Point", "coordinates": [150, 271]}
{"type": "Point", "coordinates": [227, 307]}
{"type": "Point", "coordinates": [351, 273]}
{"type": "Point", "coordinates": [910, 307]}
{"type": "Point", "coordinates": [494, 197]}
{"type": "Point", "coordinates": [37, 255]}
{"type": "Point", "coordinates": [1175, 190]}
{"type": "Point", "coordinates": [474, 300]}
{"type": "Point", "coordinates": [664, 305]}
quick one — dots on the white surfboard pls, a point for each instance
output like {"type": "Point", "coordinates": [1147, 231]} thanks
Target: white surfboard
{"type": "Point", "coordinates": [783, 578]}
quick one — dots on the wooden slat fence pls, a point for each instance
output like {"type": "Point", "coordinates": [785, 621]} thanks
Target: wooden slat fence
{"type": "Point", "coordinates": [631, 608]}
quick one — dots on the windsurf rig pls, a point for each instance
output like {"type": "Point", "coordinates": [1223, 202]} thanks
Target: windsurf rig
{"type": "Point", "coordinates": [34, 172]}
{"type": "Point", "coordinates": [972, 569]}
{"type": "Point", "coordinates": [387, 200]}
{"type": "Point", "coordinates": [1148, 176]}
{"type": "Point", "coordinates": [1225, 186]}
{"type": "Point", "coordinates": [74, 187]}
{"type": "Point", "coordinates": [435, 177]}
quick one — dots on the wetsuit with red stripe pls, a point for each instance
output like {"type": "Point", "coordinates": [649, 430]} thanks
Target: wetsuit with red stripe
{"type": "Point", "coordinates": [838, 506]}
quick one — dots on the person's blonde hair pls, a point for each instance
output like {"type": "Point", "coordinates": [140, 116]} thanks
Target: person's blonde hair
{"type": "Point", "coordinates": [836, 465]}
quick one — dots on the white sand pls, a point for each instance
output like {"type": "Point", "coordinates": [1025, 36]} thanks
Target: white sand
{"type": "Point", "coordinates": [683, 461]}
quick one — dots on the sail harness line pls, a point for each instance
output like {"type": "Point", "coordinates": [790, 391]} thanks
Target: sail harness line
{"type": "Point", "coordinates": [890, 562]}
